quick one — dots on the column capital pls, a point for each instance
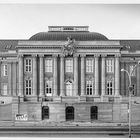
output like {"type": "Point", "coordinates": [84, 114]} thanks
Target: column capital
{"type": "Point", "coordinates": [20, 55]}
{"type": "Point", "coordinates": [34, 55]}
{"type": "Point", "coordinates": [76, 55]}
{"type": "Point", "coordinates": [117, 55]}
{"type": "Point", "coordinates": [103, 55]}
{"type": "Point", "coordinates": [55, 55]}
{"type": "Point", "coordinates": [41, 55]}
{"type": "Point", "coordinates": [82, 55]}
{"type": "Point", "coordinates": [62, 55]}
{"type": "Point", "coordinates": [96, 55]}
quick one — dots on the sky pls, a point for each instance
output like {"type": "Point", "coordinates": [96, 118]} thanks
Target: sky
{"type": "Point", "coordinates": [115, 21]}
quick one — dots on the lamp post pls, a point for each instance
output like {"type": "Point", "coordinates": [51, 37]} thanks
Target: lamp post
{"type": "Point", "coordinates": [130, 87]}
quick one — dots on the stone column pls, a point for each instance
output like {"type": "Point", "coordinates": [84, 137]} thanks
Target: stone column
{"type": "Point", "coordinates": [34, 74]}
{"type": "Point", "coordinates": [75, 75]}
{"type": "Point", "coordinates": [55, 76]}
{"type": "Point", "coordinates": [138, 81]}
{"type": "Point", "coordinates": [96, 74]}
{"type": "Point", "coordinates": [9, 78]}
{"type": "Point", "coordinates": [14, 78]}
{"type": "Point", "coordinates": [41, 76]}
{"type": "Point", "coordinates": [83, 75]}
{"type": "Point", "coordinates": [62, 76]}
{"type": "Point", "coordinates": [21, 70]}
{"type": "Point", "coordinates": [0, 74]}
{"type": "Point", "coordinates": [117, 75]}
{"type": "Point", "coordinates": [103, 75]}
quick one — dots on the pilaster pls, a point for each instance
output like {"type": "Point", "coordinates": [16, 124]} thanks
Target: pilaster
{"type": "Point", "coordinates": [96, 57]}
{"type": "Point", "coordinates": [41, 59]}
{"type": "Point", "coordinates": [75, 75]}
{"type": "Point", "coordinates": [34, 74]}
{"type": "Point", "coordinates": [20, 58]}
{"type": "Point", "coordinates": [117, 75]}
{"type": "Point", "coordinates": [10, 78]}
{"type": "Point", "coordinates": [103, 74]}
{"type": "Point", "coordinates": [62, 75]}
{"type": "Point", "coordinates": [55, 76]}
{"type": "Point", "coordinates": [83, 74]}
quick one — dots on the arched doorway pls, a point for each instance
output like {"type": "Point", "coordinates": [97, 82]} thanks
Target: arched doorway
{"type": "Point", "coordinates": [45, 112]}
{"type": "Point", "coordinates": [69, 113]}
{"type": "Point", "coordinates": [69, 88]}
{"type": "Point", "coordinates": [94, 113]}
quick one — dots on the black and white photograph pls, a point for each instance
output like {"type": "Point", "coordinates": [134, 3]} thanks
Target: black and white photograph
{"type": "Point", "coordinates": [69, 70]}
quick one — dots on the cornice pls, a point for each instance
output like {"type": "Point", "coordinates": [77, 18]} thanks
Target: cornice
{"type": "Point", "coordinates": [109, 42]}
{"type": "Point", "coordinates": [88, 46]}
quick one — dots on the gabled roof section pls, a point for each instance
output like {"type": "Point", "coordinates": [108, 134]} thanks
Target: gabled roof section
{"type": "Point", "coordinates": [133, 44]}
{"type": "Point", "coordinates": [6, 45]}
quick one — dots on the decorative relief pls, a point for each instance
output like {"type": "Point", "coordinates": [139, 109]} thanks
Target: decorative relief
{"type": "Point", "coordinates": [8, 47]}
{"type": "Point", "coordinates": [110, 78]}
{"type": "Point", "coordinates": [69, 47]}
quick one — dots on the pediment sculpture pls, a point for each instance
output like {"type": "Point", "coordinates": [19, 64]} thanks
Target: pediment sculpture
{"type": "Point", "coordinates": [69, 47]}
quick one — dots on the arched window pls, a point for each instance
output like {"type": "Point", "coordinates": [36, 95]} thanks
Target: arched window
{"type": "Point", "coordinates": [45, 112]}
{"type": "Point", "coordinates": [69, 88]}
{"type": "Point", "coordinates": [69, 113]}
{"type": "Point", "coordinates": [94, 113]}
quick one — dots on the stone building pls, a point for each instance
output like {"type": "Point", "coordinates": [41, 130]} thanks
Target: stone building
{"type": "Point", "coordinates": [68, 74]}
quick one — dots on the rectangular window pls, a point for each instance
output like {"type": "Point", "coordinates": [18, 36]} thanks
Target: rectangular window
{"type": "Point", "coordinates": [131, 68]}
{"type": "Point", "coordinates": [28, 87]}
{"type": "Point", "coordinates": [5, 89]}
{"type": "Point", "coordinates": [48, 65]}
{"type": "Point", "coordinates": [109, 87]}
{"type": "Point", "coordinates": [89, 87]}
{"type": "Point", "coordinates": [69, 65]}
{"type": "Point", "coordinates": [28, 65]}
{"type": "Point", "coordinates": [110, 65]}
{"type": "Point", "coordinates": [133, 92]}
{"type": "Point", "coordinates": [89, 65]}
{"type": "Point", "coordinates": [5, 70]}
{"type": "Point", "coordinates": [48, 88]}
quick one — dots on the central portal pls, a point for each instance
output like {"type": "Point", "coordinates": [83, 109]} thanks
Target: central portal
{"type": "Point", "coordinates": [69, 113]}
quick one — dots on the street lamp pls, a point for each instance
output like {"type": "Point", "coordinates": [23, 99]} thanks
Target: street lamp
{"type": "Point", "coordinates": [130, 87]}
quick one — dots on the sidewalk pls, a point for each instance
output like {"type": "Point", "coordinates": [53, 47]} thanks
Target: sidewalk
{"type": "Point", "coordinates": [62, 124]}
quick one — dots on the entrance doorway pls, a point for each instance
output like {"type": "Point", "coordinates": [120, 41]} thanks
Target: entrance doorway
{"type": "Point", "coordinates": [94, 113]}
{"type": "Point", "coordinates": [69, 113]}
{"type": "Point", "coordinates": [45, 112]}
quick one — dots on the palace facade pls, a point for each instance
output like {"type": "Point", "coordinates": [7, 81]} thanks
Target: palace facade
{"type": "Point", "coordinates": [68, 74]}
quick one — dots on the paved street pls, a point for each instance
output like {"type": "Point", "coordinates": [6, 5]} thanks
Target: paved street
{"type": "Point", "coordinates": [69, 132]}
